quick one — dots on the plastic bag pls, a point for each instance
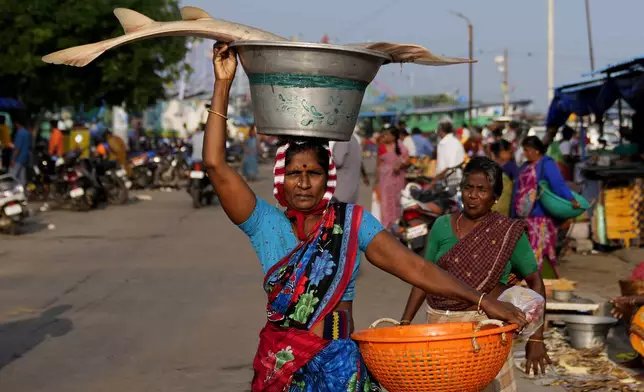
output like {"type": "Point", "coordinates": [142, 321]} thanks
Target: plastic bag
{"type": "Point", "coordinates": [375, 203]}
{"type": "Point", "coordinates": [530, 303]}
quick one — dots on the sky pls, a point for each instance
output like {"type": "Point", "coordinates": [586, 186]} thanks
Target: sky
{"type": "Point", "coordinates": [518, 25]}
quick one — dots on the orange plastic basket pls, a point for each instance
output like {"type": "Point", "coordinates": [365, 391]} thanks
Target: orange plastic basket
{"type": "Point", "coordinates": [463, 357]}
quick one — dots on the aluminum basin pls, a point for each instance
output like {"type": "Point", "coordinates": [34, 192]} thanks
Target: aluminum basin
{"type": "Point", "coordinates": [588, 331]}
{"type": "Point", "coordinates": [306, 89]}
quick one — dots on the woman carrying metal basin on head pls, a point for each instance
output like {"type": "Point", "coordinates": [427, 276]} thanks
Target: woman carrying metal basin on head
{"type": "Point", "coordinates": [310, 255]}
{"type": "Point", "coordinates": [481, 247]}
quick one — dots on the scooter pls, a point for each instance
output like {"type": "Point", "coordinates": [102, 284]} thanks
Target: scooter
{"type": "Point", "coordinates": [143, 168]}
{"type": "Point", "coordinates": [112, 178]}
{"type": "Point", "coordinates": [78, 184]}
{"type": "Point", "coordinates": [200, 187]}
{"type": "Point", "coordinates": [421, 207]}
{"type": "Point", "coordinates": [13, 204]}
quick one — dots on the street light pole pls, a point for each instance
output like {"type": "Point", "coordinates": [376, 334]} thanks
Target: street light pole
{"type": "Point", "coordinates": [470, 40]}
{"type": "Point", "coordinates": [590, 37]}
{"type": "Point", "coordinates": [506, 96]}
{"type": "Point", "coordinates": [470, 30]}
{"type": "Point", "coordinates": [551, 50]}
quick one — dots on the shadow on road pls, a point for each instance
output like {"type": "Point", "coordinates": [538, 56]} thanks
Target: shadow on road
{"type": "Point", "coordinates": [32, 227]}
{"type": "Point", "coordinates": [19, 337]}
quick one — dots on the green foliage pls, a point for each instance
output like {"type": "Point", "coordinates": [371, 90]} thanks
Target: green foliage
{"type": "Point", "coordinates": [134, 74]}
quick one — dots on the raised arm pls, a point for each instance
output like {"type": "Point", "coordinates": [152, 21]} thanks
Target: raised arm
{"type": "Point", "coordinates": [388, 254]}
{"type": "Point", "coordinates": [236, 197]}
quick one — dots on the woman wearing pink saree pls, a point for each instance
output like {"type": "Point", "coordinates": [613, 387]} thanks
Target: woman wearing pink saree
{"type": "Point", "coordinates": [392, 160]}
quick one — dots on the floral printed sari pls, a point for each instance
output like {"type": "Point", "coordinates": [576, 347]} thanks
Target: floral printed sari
{"type": "Point", "coordinates": [542, 231]}
{"type": "Point", "coordinates": [303, 288]}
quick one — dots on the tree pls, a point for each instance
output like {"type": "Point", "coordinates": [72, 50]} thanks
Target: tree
{"type": "Point", "coordinates": [135, 74]}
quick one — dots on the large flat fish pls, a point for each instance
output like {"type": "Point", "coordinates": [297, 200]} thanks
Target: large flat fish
{"type": "Point", "coordinates": [410, 53]}
{"type": "Point", "coordinates": [195, 23]}
{"type": "Point", "coordinates": [198, 23]}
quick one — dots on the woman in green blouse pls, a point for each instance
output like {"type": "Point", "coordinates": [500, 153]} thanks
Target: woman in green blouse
{"type": "Point", "coordinates": [481, 248]}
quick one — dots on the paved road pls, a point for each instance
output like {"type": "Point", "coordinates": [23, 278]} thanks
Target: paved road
{"type": "Point", "coordinates": [153, 296]}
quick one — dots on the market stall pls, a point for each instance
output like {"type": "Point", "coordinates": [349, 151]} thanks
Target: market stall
{"type": "Point", "coordinates": [612, 179]}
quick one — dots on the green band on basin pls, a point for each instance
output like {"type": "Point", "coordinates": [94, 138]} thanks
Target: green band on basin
{"type": "Point", "coordinates": [306, 81]}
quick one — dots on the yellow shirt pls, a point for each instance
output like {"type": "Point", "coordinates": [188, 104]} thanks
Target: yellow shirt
{"type": "Point", "coordinates": [5, 136]}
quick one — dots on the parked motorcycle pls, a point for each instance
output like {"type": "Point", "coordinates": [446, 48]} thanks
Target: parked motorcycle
{"type": "Point", "coordinates": [234, 152]}
{"type": "Point", "coordinates": [200, 187]}
{"type": "Point", "coordinates": [78, 184]}
{"type": "Point", "coordinates": [143, 168]}
{"type": "Point", "coordinates": [171, 167]}
{"type": "Point", "coordinates": [112, 179]}
{"type": "Point", "coordinates": [13, 204]}
{"type": "Point", "coordinates": [42, 176]}
{"type": "Point", "coordinates": [422, 206]}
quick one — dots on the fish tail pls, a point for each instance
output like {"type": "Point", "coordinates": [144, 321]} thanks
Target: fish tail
{"type": "Point", "coordinates": [78, 56]}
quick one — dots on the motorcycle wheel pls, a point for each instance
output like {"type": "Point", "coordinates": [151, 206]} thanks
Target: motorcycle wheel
{"type": "Point", "coordinates": [117, 193]}
{"type": "Point", "coordinates": [12, 229]}
{"type": "Point", "coordinates": [195, 193]}
{"type": "Point", "coordinates": [82, 204]}
{"type": "Point", "coordinates": [141, 179]}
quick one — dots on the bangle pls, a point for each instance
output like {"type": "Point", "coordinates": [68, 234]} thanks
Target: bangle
{"type": "Point", "coordinates": [217, 114]}
{"type": "Point", "coordinates": [536, 340]}
{"type": "Point", "coordinates": [404, 322]}
{"type": "Point", "coordinates": [478, 307]}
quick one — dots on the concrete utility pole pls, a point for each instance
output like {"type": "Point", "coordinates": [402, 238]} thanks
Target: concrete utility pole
{"type": "Point", "coordinates": [590, 37]}
{"type": "Point", "coordinates": [506, 86]}
{"type": "Point", "coordinates": [551, 50]}
{"type": "Point", "coordinates": [470, 41]}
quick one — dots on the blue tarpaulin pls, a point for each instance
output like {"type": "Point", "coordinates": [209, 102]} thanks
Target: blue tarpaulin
{"type": "Point", "coordinates": [11, 104]}
{"type": "Point", "coordinates": [596, 96]}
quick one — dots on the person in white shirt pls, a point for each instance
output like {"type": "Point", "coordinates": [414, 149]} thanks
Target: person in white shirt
{"type": "Point", "coordinates": [406, 140]}
{"type": "Point", "coordinates": [348, 162]}
{"type": "Point", "coordinates": [450, 153]}
{"type": "Point", "coordinates": [512, 133]}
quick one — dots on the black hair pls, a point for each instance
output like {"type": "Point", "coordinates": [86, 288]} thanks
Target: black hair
{"type": "Point", "coordinates": [53, 124]}
{"type": "Point", "coordinates": [534, 142]}
{"type": "Point", "coordinates": [497, 133]}
{"type": "Point", "coordinates": [395, 132]}
{"type": "Point", "coordinates": [416, 131]}
{"type": "Point", "coordinates": [514, 125]}
{"type": "Point", "coordinates": [446, 126]}
{"type": "Point", "coordinates": [501, 145]}
{"type": "Point", "coordinates": [491, 169]}
{"type": "Point", "coordinates": [567, 133]}
{"type": "Point", "coordinates": [3, 119]}
{"type": "Point", "coordinates": [298, 145]}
